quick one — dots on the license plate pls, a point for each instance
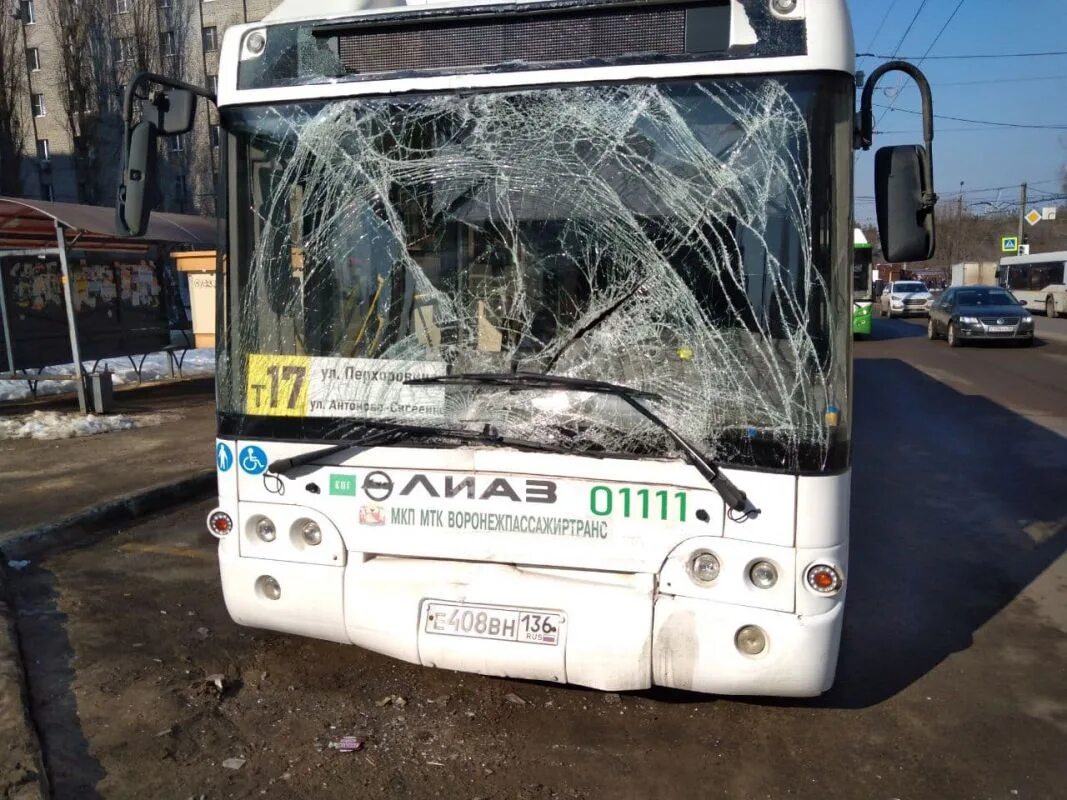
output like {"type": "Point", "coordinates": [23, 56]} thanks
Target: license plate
{"type": "Point", "coordinates": [1001, 328]}
{"type": "Point", "coordinates": [507, 624]}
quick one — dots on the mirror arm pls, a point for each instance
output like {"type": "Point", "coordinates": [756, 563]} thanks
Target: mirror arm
{"type": "Point", "coordinates": [866, 133]}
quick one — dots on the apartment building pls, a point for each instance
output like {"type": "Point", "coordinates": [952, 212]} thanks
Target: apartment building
{"type": "Point", "coordinates": [79, 56]}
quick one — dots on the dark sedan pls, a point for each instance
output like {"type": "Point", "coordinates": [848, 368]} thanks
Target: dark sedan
{"type": "Point", "coordinates": [979, 313]}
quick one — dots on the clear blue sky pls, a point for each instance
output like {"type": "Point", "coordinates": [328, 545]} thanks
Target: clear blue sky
{"type": "Point", "coordinates": [989, 89]}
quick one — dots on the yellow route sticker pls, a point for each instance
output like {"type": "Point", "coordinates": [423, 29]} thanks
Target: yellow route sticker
{"type": "Point", "coordinates": [277, 385]}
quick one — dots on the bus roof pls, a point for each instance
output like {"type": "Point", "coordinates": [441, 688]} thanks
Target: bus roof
{"type": "Point", "coordinates": [1034, 258]}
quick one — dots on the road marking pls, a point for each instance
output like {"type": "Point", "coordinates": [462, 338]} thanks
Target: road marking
{"type": "Point", "coordinates": [163, 550]}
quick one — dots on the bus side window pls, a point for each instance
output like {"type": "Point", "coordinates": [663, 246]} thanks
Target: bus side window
{"type": "Point", "coordinates": [1019, 277]}
{"type": "Point", "coordinates": [1041, 275]}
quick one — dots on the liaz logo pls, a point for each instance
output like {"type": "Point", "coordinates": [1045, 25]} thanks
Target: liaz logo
{"type": "Point", "coordinates": [378, 486]}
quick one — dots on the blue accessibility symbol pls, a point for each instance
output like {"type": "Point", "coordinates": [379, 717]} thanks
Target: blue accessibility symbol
{"type": "Point", "coordinates": [253, 460]}
{"type": "Point", "coordinates": [223, 456]}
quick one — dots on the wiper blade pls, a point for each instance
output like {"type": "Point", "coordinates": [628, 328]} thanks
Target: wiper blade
{"type": "Point", "coordinates": [380, 433]}
{"type": "Point", "coordinates": [735, 499]}
{"type": "Point", "coordinates": [531, 380]}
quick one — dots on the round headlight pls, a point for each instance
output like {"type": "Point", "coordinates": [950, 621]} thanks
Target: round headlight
{"type": "Point", "coordinates": [763, 574]}
{"type": "Point", "coordinates": [703, 567]}
{"type": "Point", "coordinates": [268, 587]}
{"type": "Point", "coordinates": [751, 640]}
{"type": "Point", "coordinates": [311, 532]}
{"type": "Point", "coordinates": [265, 530]}
{"type": "Point", "coordinates": [824, 579]}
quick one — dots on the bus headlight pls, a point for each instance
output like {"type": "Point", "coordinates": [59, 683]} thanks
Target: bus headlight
{"type": "Point", "coordinates": [311, 532]}
{"type": "Point", "coordinates": [268, 587]}
{"type": "Point", "coordinates": [824, 579]}
{"type": "Point", "coordinates": [751, 640]}
{"type": "Point", "coordinates": [703, 567]}
{"type": "Point", "coordinates": [265, 530]}
{"type": "Point", "coordinates": [763, 574]}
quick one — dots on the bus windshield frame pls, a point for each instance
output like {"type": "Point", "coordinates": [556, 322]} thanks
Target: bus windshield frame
{"type": "Point", "coordinates": [629, 233]}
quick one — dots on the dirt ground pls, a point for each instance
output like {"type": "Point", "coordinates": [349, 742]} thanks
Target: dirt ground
{"type": "Point", "coordinates": [129, 644]}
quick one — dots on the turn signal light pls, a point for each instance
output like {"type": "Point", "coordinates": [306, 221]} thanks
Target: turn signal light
{"type": "Point", "coordinates": [219, 523]}
{"type": "Point", "coordinates": [824, 579]}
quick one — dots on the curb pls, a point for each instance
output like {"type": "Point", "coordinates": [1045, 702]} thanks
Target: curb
{"type": "Point", "coordinates": [22, 756]}
{"type": "Point", "coordinates": [85, 527]}
{"type": "Point", "coordinates": [22, 770]}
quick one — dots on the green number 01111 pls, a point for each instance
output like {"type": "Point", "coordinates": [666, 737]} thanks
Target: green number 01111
{"type": "Point", "coordinates": [639, 504]}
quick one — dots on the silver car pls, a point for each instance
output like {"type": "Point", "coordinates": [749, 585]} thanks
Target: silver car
{"type": "Point", "coordinates": [905, 298]}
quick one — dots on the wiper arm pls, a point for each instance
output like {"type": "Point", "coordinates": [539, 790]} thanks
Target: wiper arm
{"type": "Point", "coordinates": [735, 499]}
{"type": "Point", "coordinates": [390, 433]}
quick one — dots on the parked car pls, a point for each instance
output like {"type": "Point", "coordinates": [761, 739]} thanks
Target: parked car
{"type": "Point", "coordinates": [902, 298]}
{"type": "Point", "coordinates": [966, 313]}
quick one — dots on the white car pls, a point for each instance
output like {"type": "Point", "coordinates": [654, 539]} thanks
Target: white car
{"type": "Point", "coordinates": [902, 298]}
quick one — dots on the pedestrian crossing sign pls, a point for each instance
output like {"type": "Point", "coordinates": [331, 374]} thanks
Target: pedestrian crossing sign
{"type": "Point", "coordinates": [1009, 244]}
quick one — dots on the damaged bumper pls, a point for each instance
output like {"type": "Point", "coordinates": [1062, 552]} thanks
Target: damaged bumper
{"type": "Point", "coordinates": [610, 631]}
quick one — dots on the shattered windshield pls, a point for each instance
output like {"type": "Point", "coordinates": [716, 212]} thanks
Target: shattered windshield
{"type": "Point", "coordinates": [689, 239]}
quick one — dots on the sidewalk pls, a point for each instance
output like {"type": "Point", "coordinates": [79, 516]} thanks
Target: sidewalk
{"type": "Point", "coordinates": [50, 480]}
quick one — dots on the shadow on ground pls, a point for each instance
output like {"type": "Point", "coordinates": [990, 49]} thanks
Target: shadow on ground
{"type": "Point", "coordinates": [957, 505]}
{"type": "Point", "coordinates": [73, 771]}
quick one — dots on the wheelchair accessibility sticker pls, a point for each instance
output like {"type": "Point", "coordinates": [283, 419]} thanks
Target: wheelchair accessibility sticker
{"type": "Point", "coordinates": [223, 457]}
{"type": "Point", "coordinates": [253, 460]}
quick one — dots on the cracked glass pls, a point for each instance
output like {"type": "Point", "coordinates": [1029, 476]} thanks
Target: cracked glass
{"type": "Point", "coordinates": [689, 239]}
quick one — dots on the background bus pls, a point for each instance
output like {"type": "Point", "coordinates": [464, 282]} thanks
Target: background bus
{"type": "Point", "coordinates": [1038, 279]}
{"type": "Point", "coordinates": [862, 286]}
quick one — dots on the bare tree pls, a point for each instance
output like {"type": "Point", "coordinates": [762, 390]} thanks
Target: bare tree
{"type": "Point", "coordinates": [12, 97]}
{"type": "Point", "coordinates": [86, 86]}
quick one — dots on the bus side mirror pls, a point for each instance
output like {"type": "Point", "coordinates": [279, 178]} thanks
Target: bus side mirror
{"type": "Point", "coordinates": [138, 190]}
{"type": "Point", "coordinates": [177, 111]}
{"type": "Point", "coordinates": [904, 203]}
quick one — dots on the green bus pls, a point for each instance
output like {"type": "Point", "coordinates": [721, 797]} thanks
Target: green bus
{"type": "Point", "coordinates": [862, 285]}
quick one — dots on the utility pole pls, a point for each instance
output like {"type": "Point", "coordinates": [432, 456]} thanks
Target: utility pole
{"type": "Point", "coordinates": [957, 242]}
{"type": "Point", "coordinates": [1022, 216]}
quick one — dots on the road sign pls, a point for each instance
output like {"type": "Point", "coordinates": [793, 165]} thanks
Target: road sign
{"type": "Point", "coordinates": [1033, 217]}
{"type": "Point", "coordinates": [1009, 244]}
{"type": "Point", "coordinates": [1049, 214]}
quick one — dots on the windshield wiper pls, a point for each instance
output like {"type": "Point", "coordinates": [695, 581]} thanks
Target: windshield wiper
{"type": "Point", "coordinates": [735, 499]}
{"type": "Point", "coordinates": [379, 433]}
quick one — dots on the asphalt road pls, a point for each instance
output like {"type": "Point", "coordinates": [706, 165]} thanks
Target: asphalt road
{"type": "Point", "coordinates": [951, 680]}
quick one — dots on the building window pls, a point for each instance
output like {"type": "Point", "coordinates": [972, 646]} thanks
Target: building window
{"type": "Point", "coordinates": [27, 12]}
{"type": "Point", "coordinates": [213, 135]}
{"type": "Point", "coordinates": [33, 59]}
{"type": "Point", "coordinates": [120, 6]}
{"type": "Point", "coordinates": [123, 49]}
{"type": "Point", "coordinates": [48, 193]}
{"type": "Point", "coordinates": [37, 100]}
{"type": "Point", "coordinates": [211, 39]}
{"type": "Point", "coordinates": [42, 149]}
{"type": "Point", "coordinates": [166, 44]}
{"type": "Point", "coordinates": [176, 144]}
{"type": "Point", "coordinates": [164, 4]}
{"type": "Point", "coordinates": [180, 187]}
{"type": "Point", "coordinates": [213, 84]}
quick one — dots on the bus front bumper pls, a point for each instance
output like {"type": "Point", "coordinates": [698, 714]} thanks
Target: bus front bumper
{"type": "Point", "coordinates": [616, 632]}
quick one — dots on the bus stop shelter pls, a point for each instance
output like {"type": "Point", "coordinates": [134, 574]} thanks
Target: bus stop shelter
{"type": "Point", "coordinates": [111, 295]}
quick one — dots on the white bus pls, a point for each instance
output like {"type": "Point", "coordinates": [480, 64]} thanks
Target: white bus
{"type": "Point", "coordinates": [1039, 279]}
{"type": "Point", "coordinates": [535, 330]}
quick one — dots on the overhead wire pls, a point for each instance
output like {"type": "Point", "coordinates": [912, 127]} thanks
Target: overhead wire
{"type": "Point", "coordinates": [964, 57]}
{"type": "Point", "coordinates": [996, 123]}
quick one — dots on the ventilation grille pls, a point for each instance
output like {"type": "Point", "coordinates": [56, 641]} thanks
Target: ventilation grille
{"type": "Point", "coordinates": [546, 39]}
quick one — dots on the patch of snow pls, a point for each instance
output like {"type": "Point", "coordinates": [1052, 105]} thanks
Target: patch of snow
{"type": "Point", "coordinates": [67, 425]}
{"type": "Point", "coordinates": [197, 363]}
